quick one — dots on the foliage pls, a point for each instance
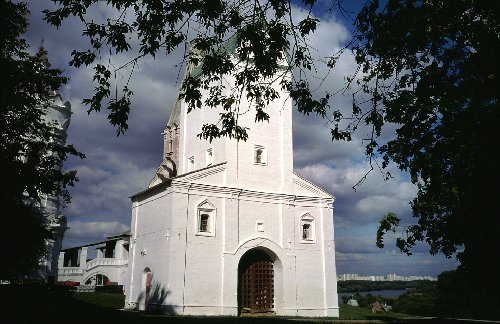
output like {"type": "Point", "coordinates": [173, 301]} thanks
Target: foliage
{"type": "Point", "coordinates": [264, 32]}
{"type": "Point", "coordinates": [353, 286]}
{"type": "Point", "coordinates": [460, 297]}
{"type": "Point", "coordinates": [31, 152]}
{"type": "Point", "coordinates": [419, 303]}
{"type": "Point", "coordinates": [431, 68]}
{"type": "Point", "coordinates": [24, 242]}
{"type": "Point", "coordinates": [435, 75]}
{"type": "Point", "coordinates": [352, 313]}
{"type": "Point", "coordinates": [428, 68]}
{"type": "Point", "coordinates": [364, 301]}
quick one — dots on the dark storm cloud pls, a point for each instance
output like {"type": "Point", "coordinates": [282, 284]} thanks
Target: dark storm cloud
{"type": "Point", "coordinates": [117, 167]}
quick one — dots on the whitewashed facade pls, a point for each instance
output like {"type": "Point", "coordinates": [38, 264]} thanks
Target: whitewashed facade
{"type": "Point", "coordinates": [227, 227]}
{"type": "Point", "coordinates": [58, 113]}
{"type": "Point", "coordinates": [109, 267]}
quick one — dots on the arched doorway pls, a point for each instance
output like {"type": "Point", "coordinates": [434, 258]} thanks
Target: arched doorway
{"type": "Point", "coordinates": [147, 277]}
{"type": "Point", "coordinates": [256, 283]}
{"type": "Point", "coordinates": [97, 280]}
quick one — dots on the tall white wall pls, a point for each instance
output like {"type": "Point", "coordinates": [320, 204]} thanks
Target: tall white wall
{"type": "Point", "coordinates": [275, 135]}
{"type": "Point", "coordinates": [197, 273]}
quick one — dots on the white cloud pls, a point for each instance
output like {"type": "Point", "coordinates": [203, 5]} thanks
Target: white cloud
{"type": "Point", "coordinates": [401, 264]}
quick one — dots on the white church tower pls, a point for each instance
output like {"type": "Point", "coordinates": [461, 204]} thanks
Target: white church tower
{"type": "Point", "coordinates": [227, 227]}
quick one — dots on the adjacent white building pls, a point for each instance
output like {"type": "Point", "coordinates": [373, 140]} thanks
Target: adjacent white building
{"type": "Point", "coordinates": [227, 227]}
{"type": "Point", "coordinates": [58, 113]}
{"type": "Point", "coordinates": [109, 266]}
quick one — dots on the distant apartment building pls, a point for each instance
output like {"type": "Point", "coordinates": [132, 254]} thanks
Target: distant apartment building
{"type": "Point", "coordinates": [388, 277]}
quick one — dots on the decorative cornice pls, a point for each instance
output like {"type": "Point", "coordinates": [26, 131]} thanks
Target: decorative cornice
{"type": "Point", "coordinates": [306, 184]}
{"type": "Point", "coordinates": [244, 194]}
{"type": "Point", "coordinates": [202, 173]}
{"type": "Point", "coordinates": [184, 183]}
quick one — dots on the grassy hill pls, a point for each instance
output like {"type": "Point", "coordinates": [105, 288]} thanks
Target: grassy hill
{"type": "Point", "coordinates": [28, 304]}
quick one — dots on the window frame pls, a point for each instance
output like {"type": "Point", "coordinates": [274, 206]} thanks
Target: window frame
{"type": "Point", "coordinates": [204, 221]}
{"type": "Point", "coordinates": [263, 155]}
{"type": "Point", "coordinates": [191, 164]}
{"type": "Point", "coordinates": [310, 222]}
{"type": "Point", "coordinates": [205, 208]}
{"type": "Point", "coordinates": [209, 157]}
{"type": "Point", "coordinates": [259, 226]}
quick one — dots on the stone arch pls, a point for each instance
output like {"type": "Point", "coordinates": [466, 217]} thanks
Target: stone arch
{"type": "Point", "coordinates": [275, 254]}
{"type": "Point", "coordinates": [93, 279]}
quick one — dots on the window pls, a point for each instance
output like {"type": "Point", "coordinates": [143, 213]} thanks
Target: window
{"type": "Point", "coordinates": [260, 155]}
{"type": "Point", "coordinates": [307, 229]}
{"type": "Point", "coordinates": [191, 164]}
{"type": "Point", "coordinates": [97, 280]}
{"type": "Point", "coordinates": [205, 222]}
{"type": "Point", "coordinates": [260, 227]}
{"type": "Point", "coordinates": [210, 156]}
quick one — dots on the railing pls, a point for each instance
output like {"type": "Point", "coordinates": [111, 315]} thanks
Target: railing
{"type": "Point", "coordinates": [70, 271]}
{"type": "Point", "coordinates": [105, 262]}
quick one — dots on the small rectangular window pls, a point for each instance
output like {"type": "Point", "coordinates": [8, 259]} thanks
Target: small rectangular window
{"type": "Point", "coordinates": [260, 227]}
{"type": "Point", "coordinates": [306, 231]}
{"type": "Point", "coordinates": [191, 164]}
{"type": "Point", "coordinates": [210, 156]}
{"type": "Point", "coordinates": [204, 219]}
{"type": "Point", "coordinates": [205, 222]}
{"type": "Point", "coordinates": [260, 155]}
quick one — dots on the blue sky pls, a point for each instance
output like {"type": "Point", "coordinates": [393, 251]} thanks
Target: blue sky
{"type": "Point", "coordinates": [117, 167]}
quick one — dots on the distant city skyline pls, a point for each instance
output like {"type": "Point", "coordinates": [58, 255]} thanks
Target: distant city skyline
{"type": "Point", "coordinates": [388, 277]}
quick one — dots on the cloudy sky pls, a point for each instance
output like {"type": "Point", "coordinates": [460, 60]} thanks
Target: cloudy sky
{"type": "Point", "coordinates": [117, 167]}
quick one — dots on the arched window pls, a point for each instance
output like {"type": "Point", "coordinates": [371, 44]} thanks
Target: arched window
{"type": "Point", "coordinates": [97, 280]}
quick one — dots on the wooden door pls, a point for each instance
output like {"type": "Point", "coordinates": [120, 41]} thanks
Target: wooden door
{"type": "Point", "coordinates": [148, 290]}
{"type": "Point", "coordinates": [257, 287]}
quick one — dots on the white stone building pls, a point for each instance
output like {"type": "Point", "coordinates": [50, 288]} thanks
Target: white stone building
{"type": "Point", "coordinates": [227, 227]}
{"type": "Point", "coordinates": [59, 114]}
{"type": "Point", "coordinates": [109, 267]}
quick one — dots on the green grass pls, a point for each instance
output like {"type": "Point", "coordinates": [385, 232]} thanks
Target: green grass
{"type": "Point", "coordinates": [100, 299]}
{"type": "Point", "coordinates": [25, 304]}
{"type": "Point", "coordinates": [348, 312]}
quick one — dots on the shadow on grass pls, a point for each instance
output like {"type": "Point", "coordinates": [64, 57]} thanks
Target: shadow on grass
{"type": "Point", "coordinates": [157, 297]}
{"type": "Point", "coordinates": [25, 304]}
{"type": "Point", "coordinates": [33, 304]}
